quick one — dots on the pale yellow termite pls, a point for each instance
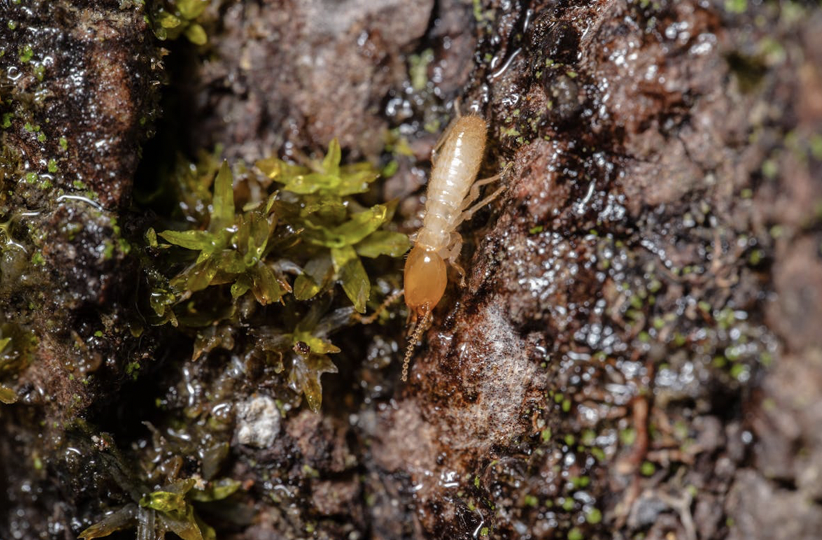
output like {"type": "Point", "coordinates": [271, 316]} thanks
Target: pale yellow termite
{"type": "Point", "coordinates": [451, 191]}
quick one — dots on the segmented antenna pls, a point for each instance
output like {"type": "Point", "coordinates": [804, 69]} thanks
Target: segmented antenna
{"type": "Point", "coordinates": [390, 299]}
{"type": "Point", "coordinates": [415, 338]}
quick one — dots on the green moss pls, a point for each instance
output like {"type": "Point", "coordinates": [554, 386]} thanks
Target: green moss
{"type": "Point", "coordinates": [736, 6]}
{"type": "Point", "coordinates": [313, 227]}
{"type": "Point", "coordinates": [418, 69]}
{"type": "Point", "coordinates": [170, 19]}
{"type": "Point", "coordinates": [26, 53]}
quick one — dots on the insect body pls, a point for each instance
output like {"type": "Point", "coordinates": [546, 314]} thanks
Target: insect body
{"type": "Point", "coordinates": [451, 190]}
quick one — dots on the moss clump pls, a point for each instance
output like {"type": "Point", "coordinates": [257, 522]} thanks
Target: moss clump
{"type": "Point", "coordinates": [171, 19]}
{"type": "Point", "coordinates": [168, 509]}
{"type": "Point", "coordinates": [278, 258]}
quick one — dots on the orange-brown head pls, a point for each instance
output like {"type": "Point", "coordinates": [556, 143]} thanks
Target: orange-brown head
{"type": "Point", "coordinates": [425, 280]}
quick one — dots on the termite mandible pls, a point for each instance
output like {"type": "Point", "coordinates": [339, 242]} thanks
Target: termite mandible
{"type": "Point", "coordinates": [452, 189]}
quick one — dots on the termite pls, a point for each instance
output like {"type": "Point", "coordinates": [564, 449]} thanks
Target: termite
{"type": "Point", "coordinates": [452, 189]}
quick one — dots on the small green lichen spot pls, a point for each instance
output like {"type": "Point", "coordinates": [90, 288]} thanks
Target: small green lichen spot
{"type": "Point", "coordinates": [736, 6]}
{"type": "Point", "coordinates": [575, 534]}
{"type": "Point", "coordinates": [26, 52]}
{"type": "Point", "coordinates": [63, 143]}
{"type": "Point", "coordinates": [594, 516]}
{"type": "Point", "coordinates": [52, 166]}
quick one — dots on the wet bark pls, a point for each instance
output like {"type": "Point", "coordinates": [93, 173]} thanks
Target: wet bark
{"type": "Point", "coordinates": [636, 349]}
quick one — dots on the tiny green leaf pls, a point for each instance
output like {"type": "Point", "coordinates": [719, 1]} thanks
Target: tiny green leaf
{"type": "Point", "coordinates": [316, 276]}
{"type": "Point", "coordinates": [197, 277]}
{"type": "Point", "coordinates": [379, 243]}
{"type": "Point", "coordinates": [167, 20]}
{"type": "Point", "coordinates": [196, 34]}
{"type": "Point", "coordinates": [352, 231]}
{"type": "Point", "coordinates": [241, 286]}
{"type": "Point", "coordinates": [362, 224]}
{"type": "Point", "coordinates": [355, 281]}
{"type": "Point", "coordinates": [304, 184]}
{"type": "Point", "coordinates": [165, 501]}
{"type": "Point", "coordinates": [123, 518]}
{"type": "Point", "coordinates": [265, 287]}
{"type": "Point", "coordinates": [222, 211]}
{"type": "Point", "coordinates": [356, 181]}
{"type": "Point", "coordinates": [191, 9]}
{"type": "Point", "coordinates": [216, 491]}
{"type": "Point", "coordinates": [331, 162]}
{"type": "Point", "coordinates": [197, 240]}
{"type": "Point", "coordinates": [305, 377]}
{"type": "Point", "coordinates": [7, 395]}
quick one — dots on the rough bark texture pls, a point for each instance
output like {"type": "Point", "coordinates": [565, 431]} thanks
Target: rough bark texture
{"type": "Point", "coordinates": [636, 352]}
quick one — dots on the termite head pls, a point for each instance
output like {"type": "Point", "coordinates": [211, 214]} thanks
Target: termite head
{"type": "Point", "coordinates": [425, 280]}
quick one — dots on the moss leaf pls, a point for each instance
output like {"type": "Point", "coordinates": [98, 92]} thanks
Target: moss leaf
{"type": "Point", "coordinates": [197, 240]}
{"type": "Point", "coordinates": [7, 395]}
{"type": "Point", "coordinates": [266, 287]}
{"type": "Point", "coordinates": [168, 20]}
{"type": "Point", "coordinates": [351, 273]}
{"type": "Point", "coordinates": [191, 9]}
{"type": "Point", "coordinates": [316, 276]}
{"type": "Point", "coordinates": [352, 231]}
{"type": "Point", "coordinates": [216, 491]}
{"type": "Point", "coordinates": [331, 162]}
{"type": "Point", "coordinates": [241, 286]}
{"type": "Point", "coordinates": [305, 377]}
{"type": "Point", "coordinates": [165, 501]}
{"type": "Point", "coordinates": [196, 34]}
{"type": "Point", "coordinates": [379, 243]}
{"type": "Point", "coordinates": [196, 277]}
{"type": "Point", "coordinates": [305, 184]}
{"type": "Point", "coordinates": [123, 518]}
{"type": "Point", "coordinates": [362, 224]}
{"type": "Point", "coordinates": [355, 178]}
{"type": "Point", "coordinates": [186, 526]}
{"type": "Point", "coordinates": [222, 203]}
{"type": "Point", "coordinates": [212, 337]}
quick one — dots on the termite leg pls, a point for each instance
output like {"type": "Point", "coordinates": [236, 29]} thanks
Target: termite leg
{"type": "Point", "coordinates": [452, 255]}
{"type": "Point", "coordinates": [421, 326]}
{"type": "Point", "coordinates": [390, 299]}
{"type": "Point", "coordinates": [467, 213]}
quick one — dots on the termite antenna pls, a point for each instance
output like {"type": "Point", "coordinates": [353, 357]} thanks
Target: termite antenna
{"type": "Point", "coordinates": [390, 299]}
{"type": "Point", "coordinates": [415, 338]}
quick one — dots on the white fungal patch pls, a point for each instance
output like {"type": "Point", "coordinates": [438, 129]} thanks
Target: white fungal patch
{"type": "Point", "coordinates": [258, 422]}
